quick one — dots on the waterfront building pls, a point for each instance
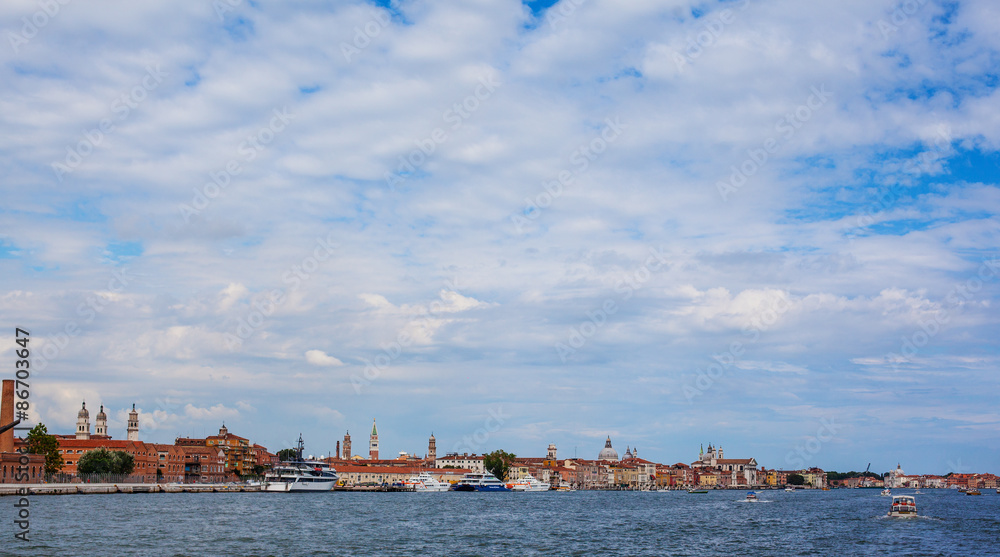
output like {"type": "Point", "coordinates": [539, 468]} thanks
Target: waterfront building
{"type": "Point", "coordinates": [204, 464]}
{"type": "Point", "coordinates": [740, 471]}
{"type": "Point", "coordinates": [465, 461]}
{"type": "Point", "coordinates": [373, 443]}
{"type": "Point", "coordinates": [12, 470]}
{"type": "Point", "coordinates": [240, 456]}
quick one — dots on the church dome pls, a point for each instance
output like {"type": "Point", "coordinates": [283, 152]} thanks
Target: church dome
{"type": "Point", "coordinates": [607, 453]}
{"type": "Point", "coordinates": [101, 415]}
{"type": "Point", "coordinates": [83, 413]}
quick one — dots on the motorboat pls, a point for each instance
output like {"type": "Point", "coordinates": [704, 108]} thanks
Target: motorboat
{"type": "Point", "coordinates": [563, 486]}
{"type": "Point", "coordinates": [475, 481]}
{"type": "Point", "coordinates": [425, 481]}
{"type": "Point", "coordinates": [972, 491]}
{"type": "Point", "coordinates": [751, 496]}
{"type": "Point", "coordinates": [886, 492]}
{"type": "Point", "coordinates": [903, 506]}
{"type": "Point", "coordinates": [300, 476]}
{"type": "Point", "coordinates": [789, 488]}
{"type": "Point", "coordinates": [528, 483]}
{"type": "Point", "coordinates": [697, 491]}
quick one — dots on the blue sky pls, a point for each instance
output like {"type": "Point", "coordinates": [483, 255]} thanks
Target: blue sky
{"type": "Point", "coordinates": [771, 226]}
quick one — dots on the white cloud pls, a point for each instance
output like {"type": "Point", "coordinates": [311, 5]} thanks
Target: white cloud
{"type": "Point", "coordinates": [320, 358]}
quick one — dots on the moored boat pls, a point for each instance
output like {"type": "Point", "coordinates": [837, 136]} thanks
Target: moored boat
{"type": "Point", "coordinates": [300, 476]}
{"type": "Point", "coordinates": [474, 481]}
{"type": "Point", "coordinates": [529, 483]}
{"type": "Point", "coordinates": [563, 486]}
{"type": "Point", "coordinates": [903, 506]}
{"type": "Point", "coordinates": [425, 481]}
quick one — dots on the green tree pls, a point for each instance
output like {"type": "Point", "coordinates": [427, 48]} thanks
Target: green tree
{"type": "Point", "coordinates": [795, 479]}
{"type": "Point", "coordinates": [498, 463]}
{"type": "Point", "coordinates": [40, 442]}
{"type": "Point", "coordinates": [103, 461]}
{"type": "Point", "coordinates": [284, 455]}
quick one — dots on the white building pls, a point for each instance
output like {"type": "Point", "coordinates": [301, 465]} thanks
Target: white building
{"type": "Point", "coordinates": [467, 461]}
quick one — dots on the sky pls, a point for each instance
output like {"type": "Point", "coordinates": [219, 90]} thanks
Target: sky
{"type": "Point", "coordinates": [766, 225]}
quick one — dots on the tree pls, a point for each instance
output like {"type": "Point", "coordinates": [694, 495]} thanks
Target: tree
{"type": "Point", "coordinates": [103, 461]}
{"type": "Point", "coordinates": [795, 479]}
{"type": "Point", "coordinates": [40, 442]}
{"type": "Point", "coordinates": [284, 455]}
{"type": "Point", "coordinates": [498, 463]}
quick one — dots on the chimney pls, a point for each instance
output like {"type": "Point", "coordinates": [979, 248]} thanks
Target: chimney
{"type": "Point", "coordinates": [7, 416]}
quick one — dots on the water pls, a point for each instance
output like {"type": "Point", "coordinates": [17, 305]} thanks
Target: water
{"type": "Point", "coordinates": [838, 522]}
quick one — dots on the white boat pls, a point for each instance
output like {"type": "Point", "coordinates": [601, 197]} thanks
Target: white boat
{"type": "Point", "coordinates": [751, 496]}
{"type": "Point", "coordinates": [529, 483]}
{"type": "Point", "coordinates": [886, 492]}
{"type": "Point", "coordinates": [425, 481]}
{"type": "Point", "coordinates": [474, 481]}
{"type": "Point", "coordinates": [300, 476]}
{"type": "Point", "coordinates": [903, 506]}
{"type": "Point", "coordinates": [787, 488]}
{"type": "Point", "coordinates": [564, 486]}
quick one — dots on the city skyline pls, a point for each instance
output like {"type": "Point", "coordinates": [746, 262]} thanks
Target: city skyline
{"type": "Point", "coordinates": [768, 226]}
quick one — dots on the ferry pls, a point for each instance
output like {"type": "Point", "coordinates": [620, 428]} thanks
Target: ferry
{"type": "Point", "coordinates": [300, 476]}
{"type": "Point", "coordinates": [425, 481]}
{"type": "Point", "coordinates": [903, 506]}
{"type": "Point", "coordinates": [474, 481]}
{"type": "Point", "coordinates": [529, 483]}
{"type": "Point", "coordinates": [751, 496]}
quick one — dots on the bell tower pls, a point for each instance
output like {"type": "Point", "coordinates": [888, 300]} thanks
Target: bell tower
{"type": "Point", "coordinates": [347, 446]}
{"type": "Point", "coordinates": [101, 425]}
{"type": "Point", "coordinates": [373, 443]}
{"type": "Point", "coordinates": [432, 448]}
{"type": "Point", "coordinates": [133, 424]}
{"type": "Point", "coordinates": [83, 423]}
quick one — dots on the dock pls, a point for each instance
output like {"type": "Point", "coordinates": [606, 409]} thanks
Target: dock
{"type": "Point", "coordinates": [73, 489]}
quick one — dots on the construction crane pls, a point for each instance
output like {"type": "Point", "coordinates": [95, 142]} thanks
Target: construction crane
{"type": "Point", "coordinates": [9, 426]}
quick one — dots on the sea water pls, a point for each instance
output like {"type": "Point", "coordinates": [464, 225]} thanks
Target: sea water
{"type": "Point", "coordinates": [837, 522]}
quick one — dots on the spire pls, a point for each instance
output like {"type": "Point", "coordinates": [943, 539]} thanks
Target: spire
{"type": "Point", "coordinates": [374, 429]}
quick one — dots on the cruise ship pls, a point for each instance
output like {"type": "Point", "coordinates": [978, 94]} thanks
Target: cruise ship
{"type": "Point", "coordinates": [474, 481]}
